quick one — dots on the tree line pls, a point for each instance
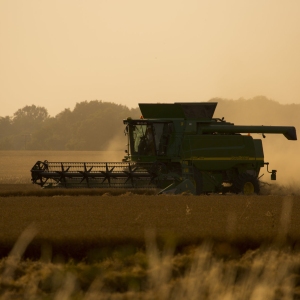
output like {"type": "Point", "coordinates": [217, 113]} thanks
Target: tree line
{"type": "Point", "coordinates": [95, 124]}
{"type": "Point", "coordinates": [89, 126]}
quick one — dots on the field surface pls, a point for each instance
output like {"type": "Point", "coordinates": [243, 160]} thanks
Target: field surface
{"type": "Point", "coordinates": [77, 223]}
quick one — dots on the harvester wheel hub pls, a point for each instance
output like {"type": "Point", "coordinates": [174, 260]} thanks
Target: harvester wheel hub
{"type": "Point", "coordinates": [245, 184]}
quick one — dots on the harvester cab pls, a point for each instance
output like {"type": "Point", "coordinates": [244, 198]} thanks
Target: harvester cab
{"type": "Point", "coordinates": [175, 148]}
{"type": "Point", "coordinates": [147, 138]}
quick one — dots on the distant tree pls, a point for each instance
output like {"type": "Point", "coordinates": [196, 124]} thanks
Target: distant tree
{"type": "Point", "coordinates": [257, 111]}
{"type": "Point", "coordinates": [6, 143]}
{"type": "Point", "coordinates": [6, 131]}
{"type": "Point", "coordinates": [90, 126]}
{"type": "Point", "coordinates": [36, 113]}
{"type": "Point", "coordinates": [30, 116]}
{"type": "Point", "coordinates": [5, 125]}
{"type": "Point", "coordinates": [24, 123]}
{"type": "Point", "coordinates": [96, 123]}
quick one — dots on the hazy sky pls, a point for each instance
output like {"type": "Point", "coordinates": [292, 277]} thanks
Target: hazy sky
{"type": "Point", "coordinates": [59, 52]}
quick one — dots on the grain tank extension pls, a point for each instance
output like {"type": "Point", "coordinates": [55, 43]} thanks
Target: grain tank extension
{"type": "Point", "coordinates": [174, 148]}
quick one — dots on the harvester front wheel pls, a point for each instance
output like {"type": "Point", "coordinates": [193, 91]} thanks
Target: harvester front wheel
{"type": "Point", "coordinates": [246, 184]}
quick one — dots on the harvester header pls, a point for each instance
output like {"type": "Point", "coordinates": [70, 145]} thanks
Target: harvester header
{"type": "Point", "coordinates": [175, 148]}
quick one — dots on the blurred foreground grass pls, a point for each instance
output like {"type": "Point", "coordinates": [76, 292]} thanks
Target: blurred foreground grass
{"type": "Point", "coordinates": [194, 273]}
{"type": "Point", "coordinates": [131, 246]}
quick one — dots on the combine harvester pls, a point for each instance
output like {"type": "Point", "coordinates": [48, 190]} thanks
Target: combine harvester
{"type": "Point", "coordinates": [175, 148]}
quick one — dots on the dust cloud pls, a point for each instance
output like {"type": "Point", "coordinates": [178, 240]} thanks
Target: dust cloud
{"type": "Point", "coordinates": [116, 147]}
{"type": "Point", "coordinates": [282, 154]}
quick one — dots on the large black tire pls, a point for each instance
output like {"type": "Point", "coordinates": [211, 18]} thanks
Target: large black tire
{"type": "Point", "coordinates": [199, 181]}
{"type": "Point", "coordinates": [245, 184]}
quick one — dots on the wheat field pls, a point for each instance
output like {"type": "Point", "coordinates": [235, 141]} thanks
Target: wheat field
{"type": "Point", "coordinates": [91, 221]}
{"type": "Point", "coordinates": [126, 244]}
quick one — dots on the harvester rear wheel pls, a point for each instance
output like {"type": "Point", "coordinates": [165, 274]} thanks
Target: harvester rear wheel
{"type": "Point", "coordinates": [246, 184]}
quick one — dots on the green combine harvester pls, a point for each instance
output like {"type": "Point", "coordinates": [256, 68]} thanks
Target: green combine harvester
{"type": "Point", "coordinates": [175, 148]}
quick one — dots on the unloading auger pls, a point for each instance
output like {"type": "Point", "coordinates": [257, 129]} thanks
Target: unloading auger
{"type": "Point", "coordinates": [174, 148]}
